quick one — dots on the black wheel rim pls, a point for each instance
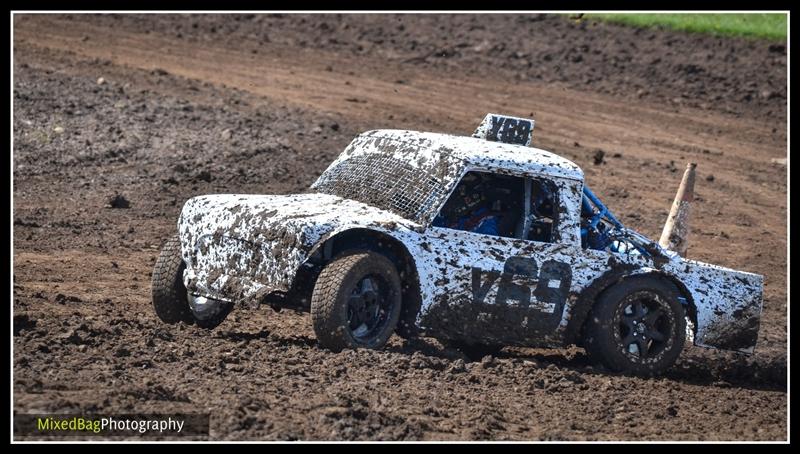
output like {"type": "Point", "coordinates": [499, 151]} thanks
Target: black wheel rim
{"type": "Point", "coordinates": [368, 307]}
{"type": "Point", "coordinates": [644, 326]}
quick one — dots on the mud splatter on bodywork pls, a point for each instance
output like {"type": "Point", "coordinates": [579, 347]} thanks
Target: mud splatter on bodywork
{"type": "Point", "coordinates": [728, 303]}
{"type": "Point", "coordinates": [476, 287]}
{"type": "Point", "coordinates": [239, 246]}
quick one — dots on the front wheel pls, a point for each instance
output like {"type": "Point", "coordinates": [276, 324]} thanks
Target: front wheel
{"type": "Point", "coordinates": [638, 326]}
{"type": "Point", "coordinates": [169, 293]}
{"type": "Point", "coordinates": [356, 301]}
{"type": "Point", "coordinates": [171, 302]}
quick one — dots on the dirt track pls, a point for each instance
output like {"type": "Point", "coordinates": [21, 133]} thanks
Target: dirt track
{"type": "Point", "coordinates": [195, 105]}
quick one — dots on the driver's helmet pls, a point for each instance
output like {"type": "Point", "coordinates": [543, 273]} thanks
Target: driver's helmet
{"type": "Point", "coordinates": [472, 194]}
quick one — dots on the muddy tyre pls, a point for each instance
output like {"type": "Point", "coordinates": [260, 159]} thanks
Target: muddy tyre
{"type": "Point", "coordinates": [638, 327]}
{"type": "Point", "coordinates": [168, 292]}
{"type": "Point", "coordinates": [356, 301]}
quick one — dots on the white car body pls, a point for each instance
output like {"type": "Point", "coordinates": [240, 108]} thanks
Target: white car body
{"type": "Point", "coordinates": [492, 289]}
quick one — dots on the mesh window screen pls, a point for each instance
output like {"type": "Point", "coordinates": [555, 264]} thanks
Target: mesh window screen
{"type": "Point", "coordinates": [384, 182]}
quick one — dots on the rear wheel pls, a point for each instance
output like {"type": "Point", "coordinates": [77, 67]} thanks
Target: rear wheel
{"type": "Point", "coordinates": [356, 301]}
{"type": "Point", "coordinates": [638, 326]}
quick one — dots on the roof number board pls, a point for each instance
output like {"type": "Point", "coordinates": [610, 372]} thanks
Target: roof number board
{"type": "Point", "coordinates": [505, 129]}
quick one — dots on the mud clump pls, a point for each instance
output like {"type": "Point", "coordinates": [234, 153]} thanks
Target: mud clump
{"type": "Point", "coordinates": [598, 157]}
{"type": "Point", "coordinates": [118, 201]}
{"type": "Point", "coordinates": [63, 299]}
{"type": "Point", "coordinates": [23, 322]}
{"type": "Point", "coordinates": [205, 176]}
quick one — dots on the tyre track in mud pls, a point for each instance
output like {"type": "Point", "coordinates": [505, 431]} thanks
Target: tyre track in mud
{"type": "Point", "coordinates": [81, 295]}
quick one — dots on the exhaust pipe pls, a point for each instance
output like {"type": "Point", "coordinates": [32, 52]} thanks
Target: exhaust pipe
{"type": "Point", "coordinates": [675, 235]}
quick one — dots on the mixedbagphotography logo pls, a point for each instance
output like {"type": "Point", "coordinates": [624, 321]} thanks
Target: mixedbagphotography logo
{"type": "Point", "coordinates": [34, 426]}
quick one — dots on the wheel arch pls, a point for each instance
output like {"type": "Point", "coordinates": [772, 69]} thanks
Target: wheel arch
{"type": "Point", "coordinates": [587, 298]}
{"type": "Point", "coordinates": [335, 243]}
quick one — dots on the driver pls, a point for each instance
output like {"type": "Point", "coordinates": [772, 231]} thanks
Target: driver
{"type": "Point", "coordinates": [473, 211]}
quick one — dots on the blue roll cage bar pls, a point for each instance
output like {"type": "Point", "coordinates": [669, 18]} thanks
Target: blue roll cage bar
{"type": "Point", "coordinates": [601, 240]}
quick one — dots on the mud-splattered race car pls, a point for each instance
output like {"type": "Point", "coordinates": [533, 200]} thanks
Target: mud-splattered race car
{"type": "Point", "coordinates": [478, 241]}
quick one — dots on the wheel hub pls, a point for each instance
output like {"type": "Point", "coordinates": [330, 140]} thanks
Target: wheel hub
{"type": "Point", "coordinates": [643, 327]}
{"type": "Point", "coordinates": [364, 307]}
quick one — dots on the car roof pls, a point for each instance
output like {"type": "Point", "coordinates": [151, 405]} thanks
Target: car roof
{"type": "Point", "coordinates": [480, 153]}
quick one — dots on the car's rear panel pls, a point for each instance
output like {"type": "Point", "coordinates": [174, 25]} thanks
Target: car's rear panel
{"type": "Point", "coordinates": [728, 304]}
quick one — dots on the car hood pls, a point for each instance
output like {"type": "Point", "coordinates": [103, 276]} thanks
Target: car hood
{"type": "Point", "coordinates": [234, 245]}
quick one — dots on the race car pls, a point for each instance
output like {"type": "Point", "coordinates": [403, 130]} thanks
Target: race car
{"type": "Point", "coordinates": [479, 242]}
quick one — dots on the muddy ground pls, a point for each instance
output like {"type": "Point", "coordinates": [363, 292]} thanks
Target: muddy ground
{"type": "Point", "coordinates": [191, 105]}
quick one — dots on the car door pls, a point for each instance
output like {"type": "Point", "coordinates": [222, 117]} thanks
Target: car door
{"type": "Point", "coordinates": [497, 288]}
